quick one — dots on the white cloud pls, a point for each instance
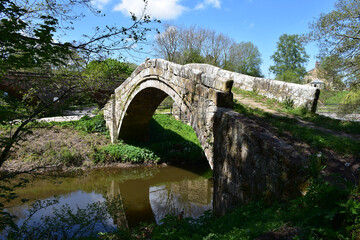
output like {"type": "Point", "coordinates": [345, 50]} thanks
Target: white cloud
{"type": "Point", "coordinates": [211, 3]}
{"type": "Point", "coordinates": [100, 3]}
{"type": "Point", "coordinates": [160, 9]}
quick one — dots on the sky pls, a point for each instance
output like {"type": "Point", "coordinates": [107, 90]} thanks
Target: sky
{"type": "Point", "coordinates": [261, 22]}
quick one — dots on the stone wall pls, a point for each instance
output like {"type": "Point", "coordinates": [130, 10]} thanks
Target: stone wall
{"type": "Point", "coordinates": [301, 95]}
{"type": "Point", "coordinates": [252, 163]}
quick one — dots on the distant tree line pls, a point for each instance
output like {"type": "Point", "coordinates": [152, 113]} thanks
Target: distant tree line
{"type": "Point", "coordinates": [199, 45]}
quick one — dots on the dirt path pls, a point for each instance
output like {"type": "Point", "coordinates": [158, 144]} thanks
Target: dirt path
{"type": "Point", "coordinates": [254, 104]}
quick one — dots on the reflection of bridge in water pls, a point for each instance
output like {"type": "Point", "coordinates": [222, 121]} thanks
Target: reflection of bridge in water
{"type": "Point", "coordinates": [150, 201]}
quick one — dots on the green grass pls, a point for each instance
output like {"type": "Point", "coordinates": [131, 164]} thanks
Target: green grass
{"type": "Point", "coordinates": [321, 121]}
{"type": "Point", "coordinates": [349, 127]}
{"type": "Point", "coordinates": [270, 103]}
{"type": "Point", "coordinates": [170, 141]}
{"type": "Point", "coordinates": [332, 97]}
{"type": "Point", "coordinates": [86, 124]}
{"type": "Point", "coordinates": [173, 141]}
{"type": "Point", "coordinates": [316, 138]}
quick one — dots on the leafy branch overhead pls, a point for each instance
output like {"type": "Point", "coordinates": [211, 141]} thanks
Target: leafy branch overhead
{"type": "Point", "coordinates": [27, 34]}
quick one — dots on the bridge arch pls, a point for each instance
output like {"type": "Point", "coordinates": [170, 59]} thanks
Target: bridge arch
{"type": "Point", "coordinates": [248, 160]}
{"type": "Point", "coordinates": [196, 93]}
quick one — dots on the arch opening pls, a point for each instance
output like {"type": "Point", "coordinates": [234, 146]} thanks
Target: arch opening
{"type": "Point", "coordinates": [141, 126]}
{"type": "Point", "coordinates": [135, 125]}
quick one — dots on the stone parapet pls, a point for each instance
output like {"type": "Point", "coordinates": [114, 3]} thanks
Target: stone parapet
{"type": "Point", "coordinates": [301, 95]}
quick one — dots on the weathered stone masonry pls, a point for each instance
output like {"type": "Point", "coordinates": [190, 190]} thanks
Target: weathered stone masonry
{"type": "Point", "coordinates": [198, 94]}
{"type": "Point", "coordinates": [249, 162]}
{"type": "Point", "coordinates": [302, 95]}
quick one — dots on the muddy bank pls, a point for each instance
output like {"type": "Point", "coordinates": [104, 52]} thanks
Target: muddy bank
{"type": "Point", "coordinates": [60, 149]}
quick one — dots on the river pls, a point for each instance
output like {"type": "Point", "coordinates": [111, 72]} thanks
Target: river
{"type": "Point", "coordinates": [147, 194]}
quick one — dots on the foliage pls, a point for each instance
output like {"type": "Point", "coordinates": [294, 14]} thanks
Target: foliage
{"type": "Point", "coordinates": [199, 45]}
{"type": "Point", "coordinates": [337, 33]}
{"type": "Point", "coordinates": [351, 101]}
{"type": "Point", "coordinates": [69, 157]}
{"type": "Point", "coordinates": [86, 124]}
{"type": "Point", "coordinates": [24, 49]}
{"type": "Point", "coordinates": [192, 56]}
{"type": "Point", "coordinates": [331, 70]}
{"type": "Point", "coordinates": [289, 59]}
{"type": "Point", "coordinates": [245, 58]}
{"type": "Point", "coordinates": [124, 153]}
{"type": "Point", "coordinates": [108, 69]}
{"type": "Point", "coordinates": [289, 103]}
{"type": "Point", "coordinates": [100, 78]}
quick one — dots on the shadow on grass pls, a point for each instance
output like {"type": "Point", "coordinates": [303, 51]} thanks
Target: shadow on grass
{"type": "Point", "coordinates": [317, 139]}
{"type": "Point", "coordinates": [173, 141]}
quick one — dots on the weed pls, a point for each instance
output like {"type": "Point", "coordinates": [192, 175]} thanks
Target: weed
{"type": "Point", "coordinates": [288, 103]}
{"type": "Point", "coordinates": [69, 157]}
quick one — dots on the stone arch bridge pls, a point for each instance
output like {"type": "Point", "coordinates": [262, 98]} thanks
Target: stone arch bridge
{"type": "Point", "coordinates": [249, 162]}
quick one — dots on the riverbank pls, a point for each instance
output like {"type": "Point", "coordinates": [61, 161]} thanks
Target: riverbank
{"type": "Point", "coordinates": [85, 144]}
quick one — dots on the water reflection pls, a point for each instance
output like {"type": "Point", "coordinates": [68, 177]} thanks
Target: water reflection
{"type": "Point", "coordinates": [188, 198]}
{"type": "Point", "coordinates": [147, 193]}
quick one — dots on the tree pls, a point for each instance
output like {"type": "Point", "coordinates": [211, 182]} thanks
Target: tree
{"type": "Point", "coordinates": [331, 70]}
{"type": "Point", "coordinates": [199, 45]}
{"type": "Point", "coordinates": [245, 58]}
{"type": "Point", "coordinates": [167, 44]}
{"type": "Point", "coordinates": [100, 78]}
{"type": "Point", "coordinates": [337, 34]}
{"type": "Point", "coordinates": [289, 58]}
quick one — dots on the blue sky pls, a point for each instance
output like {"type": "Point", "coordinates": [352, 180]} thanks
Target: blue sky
{"type": "Point", "coordinates": [261, 22]}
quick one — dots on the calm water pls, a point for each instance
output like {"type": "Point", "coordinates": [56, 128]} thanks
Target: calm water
{"type": "Point", "coordinates": [147, 193]}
